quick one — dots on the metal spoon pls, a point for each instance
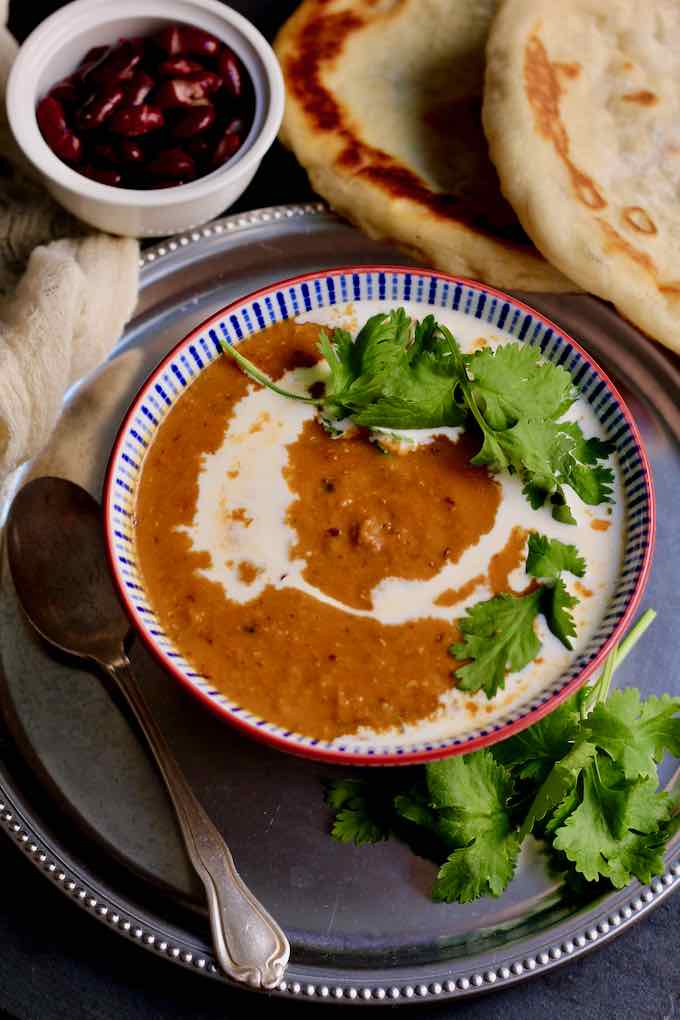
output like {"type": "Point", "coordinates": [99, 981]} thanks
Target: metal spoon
{"type": "Point", "coordinates": [58, 561]}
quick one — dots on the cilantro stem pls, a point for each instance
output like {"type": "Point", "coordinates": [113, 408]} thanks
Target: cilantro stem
{"type": "Point", "coordinates": [262, 378]}
{"type": "Point", "coordinates": [600, 689]}
{"type": "Point", "coordinates": [633, 636]}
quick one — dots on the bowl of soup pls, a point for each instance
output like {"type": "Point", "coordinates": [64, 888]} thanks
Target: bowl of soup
{"type": "Point", "coordinates": [423, 533]}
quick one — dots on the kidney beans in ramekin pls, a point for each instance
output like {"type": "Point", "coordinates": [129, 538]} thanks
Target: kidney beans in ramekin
{"type": "Point", "coordinates": [150, 112]}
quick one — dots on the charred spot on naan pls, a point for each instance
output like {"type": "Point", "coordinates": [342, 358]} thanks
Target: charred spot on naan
{"type": "Point", "coordinates": [615, 242]}
{"type": "Point", "coordinates": [644, 97]}
{"type": "Point", "coordinates": [544, 92]}
{"type": "Point", "coordinates": [569, 70]}
{"type": "Point", "coordinates": [639, 219]}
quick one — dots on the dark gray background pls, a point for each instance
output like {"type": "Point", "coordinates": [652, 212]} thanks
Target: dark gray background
{"type": "Point", "coordinates": [56, 962]}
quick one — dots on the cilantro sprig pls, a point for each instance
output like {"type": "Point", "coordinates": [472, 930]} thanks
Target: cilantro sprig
{"type": "Point", "coordinates": [401, 374]}
{"type": "Point", "coordinates": [583, 779]}
{"type": "Point", "coordinates": [498, 635]}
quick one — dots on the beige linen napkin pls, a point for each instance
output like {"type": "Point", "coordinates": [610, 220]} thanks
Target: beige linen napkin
{"type": "Point", "coordinates": [65, 294]}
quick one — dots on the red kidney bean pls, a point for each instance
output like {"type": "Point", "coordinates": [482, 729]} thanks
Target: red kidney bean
{"type": "Point", "coordinates": [172, 163]}
{"type": "Point", "coordinates": [169, 39]}
{"type": "Point", "coordinates": [229, 67]}
{"type": "Point", "coordinates": [100, 107]}
{"type": "Point", "coordinates": [105, 152]}
{"type": "Point", "coordinates": [210, 81]}
{"type": "Point", "coordinates": [198, 42]}
{"type": "Point", "coordinates": [178, 67]}
{"type": "Point", "coordinates": [118, 66]}
{"type": "Point", "coordinates": [228, 144]}
{"type": "Point", "coordinates": [51, 119]}
{"type": "Point", "coordinates": [94, 55]}
{"type": "Point", "coordinates": [136, 120]}
{"type": "Point", "coordinates": [52, 123]}
{"type": "Point", "coordinates": [193, 121]}
{"type": "Point", "coordinates": [235, 127]}
{"type": "Point", "coordinates": [81, 73]}
{"type": "Point", "coordinates": [200, 147]}
{"type": "Point", "coordinates": [140, 85]}
{"type": "Point", "coordinates": [103, 175]}
{"type": "Point", "coordinates": [186, 39]}
{"type": "Point", "coordinates": [68, 147]}
{"type": "Point", "coordinates": [178, 92]}
{"type": "Point", "coordinates": [192, 91]}
{"type": "Point", "coordinates": [65, 91]}
{"type": "Point", "coordinates": [131, 152]}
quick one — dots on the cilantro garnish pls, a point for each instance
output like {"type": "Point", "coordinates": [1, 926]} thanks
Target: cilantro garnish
{"type": "Point", "coordinates": [471, 796]}
{"type": "Point", "coordinates": [557, 784]}
{"type": "Point", "coordinates": [532, 752]}
{"type": "Point", "coordinates": [583, 780]}
{"type": "Point", "coordinates": [548, 557]}
{"type": "Point", "coordinates": [398, 373]}
{"type": "Point", "coordinates": [616, 832]}
{"type": "Point", "coordinates": [557, 604]}
{"type": "Point", "coordinates": [636, 734]}
{"type": "Point", "coordinates": [499, 634]}
{"type": "Point", "coordinates": [358, 818]}
{"type": "Point", "coordinates": [507, 381]}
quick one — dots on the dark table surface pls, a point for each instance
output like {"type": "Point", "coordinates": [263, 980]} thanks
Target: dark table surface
{"type": "Point", "coordinates": [57, 962]}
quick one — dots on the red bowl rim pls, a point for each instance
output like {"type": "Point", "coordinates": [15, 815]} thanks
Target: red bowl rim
{"type": "Point", "coordinates": [407, 758]}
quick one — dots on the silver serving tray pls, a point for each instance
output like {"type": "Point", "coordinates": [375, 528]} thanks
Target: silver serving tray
{"type": "Point", "coordinates": [362, 925]}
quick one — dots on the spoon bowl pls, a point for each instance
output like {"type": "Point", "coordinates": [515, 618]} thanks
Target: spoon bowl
{"type": "Point", "coordinates": [69, 598]}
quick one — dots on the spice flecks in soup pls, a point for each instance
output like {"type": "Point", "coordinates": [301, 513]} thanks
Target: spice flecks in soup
{"type": "Point", "coordinates": [317, 581]}
{"type": "Point", "coordinates": [361, 517]}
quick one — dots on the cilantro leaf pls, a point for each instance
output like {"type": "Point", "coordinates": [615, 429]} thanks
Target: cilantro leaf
{"type": "Point", "coordinates": [498, 635]}
{"type": "Point", "coordinates": [360, 817]}
{"type": "Point", "coordinates": [338, 351]}
{"type": "Point", "coordinates": [509, 380]}
{"type": "Point", "coordinates": [616, 831]}
{"type": "Point", "coordinates": [635, 734]}
{"type": "Point", "coordinates": [416, 810]}
{"type": "Point", "coordinates": [580, 470]}
{"type": "Point", "coordinates": [532, 752]}
{"type": "Point", "coordinates": [566, 807]}
{"type": "Point", "coordinates": [548, 558]}
{"type": "Point", "coordinates": [560, 780]}
{"type": "Point", "coordinates": [420, 388]}
{"type": "Point", "coordinates": [378, 354]}
{"type": "Point", "coordinates": [471, 793]}
{"type": "Point", "coordinates": [556, 606]}
{"type": "Point", "coordinates": [547, 455]}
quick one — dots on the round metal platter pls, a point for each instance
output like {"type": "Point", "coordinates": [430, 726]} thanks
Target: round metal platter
{"type": "Point", "coordinates": [80, 797]}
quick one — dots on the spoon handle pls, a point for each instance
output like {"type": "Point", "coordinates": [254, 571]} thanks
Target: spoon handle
{"type": "Point", "coordinates": [249, 944]}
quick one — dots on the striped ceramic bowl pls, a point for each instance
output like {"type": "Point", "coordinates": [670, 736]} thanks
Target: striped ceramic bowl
{"type": "Point", "coordinates": [392, 285]}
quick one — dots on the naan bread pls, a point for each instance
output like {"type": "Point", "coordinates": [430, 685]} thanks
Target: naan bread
{"type": "Point", "coordinates": [582, 113]}
{"type": "Point", "coordinates": [383, 111]}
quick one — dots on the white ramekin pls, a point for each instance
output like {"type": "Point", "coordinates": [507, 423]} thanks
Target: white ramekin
{"type": "Point", "coordinates": [55, 48]}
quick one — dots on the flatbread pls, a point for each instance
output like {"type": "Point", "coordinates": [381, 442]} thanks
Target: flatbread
{"type": "Point", "coordinates": [383, 102]}
{"type": "Point", "coordinates": [582, 114]}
